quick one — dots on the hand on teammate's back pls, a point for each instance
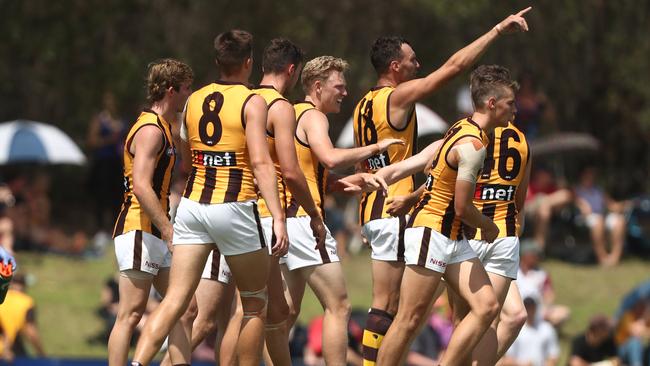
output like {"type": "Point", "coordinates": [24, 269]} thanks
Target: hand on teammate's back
{"type": "Point", "coordinates": [514, 23]}
{"type": "Point", "coordinates": [318, 228]}
{"type": "Point", "coordinates": [281, 246]}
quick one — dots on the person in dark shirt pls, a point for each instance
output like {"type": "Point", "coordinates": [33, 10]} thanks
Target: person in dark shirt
{"type": "Point", "coordinates": [595, 345]}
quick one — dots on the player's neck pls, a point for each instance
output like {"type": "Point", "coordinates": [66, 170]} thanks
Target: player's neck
{"type": "Point", "coordinates": [316, 102]}
{"type": "Point", "coordinates": [278, 82]}
{"type": "Point", "coordinates": [164, 109]}
{"type": "Point", "coordinates": [239, 77]}
{"type": "Point", "coordinates": [484, 121]}
{"type": "Point", "coordinates": [387, 80]}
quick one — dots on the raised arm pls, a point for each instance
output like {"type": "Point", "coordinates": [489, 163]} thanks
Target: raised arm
{"type": "Point", "coordinates": [316, 126]}
{"type": "Point", "coordinates": [262, 165]}
{"type": "Point", "coordinates": [147, 144]}
{"type": "Point", "coordinates": [407, 93]}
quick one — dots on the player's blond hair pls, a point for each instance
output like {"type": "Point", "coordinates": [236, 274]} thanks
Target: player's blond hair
{"type": "Point", "coordinates": [166, 73]}
{"type": "Point", "coordinates": [320, 68]}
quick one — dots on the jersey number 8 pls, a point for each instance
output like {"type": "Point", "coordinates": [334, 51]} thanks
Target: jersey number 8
{"type": "Point", "coordinates": [212, 105]}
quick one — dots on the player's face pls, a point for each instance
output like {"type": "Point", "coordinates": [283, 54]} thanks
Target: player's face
{"type": "Point", "coordinates": [505, 108]}
{"type": "Point", "coordinates": [180, 96]}
{"type": "Point", "coordinates": [332, 92]}
{"type": "Point", "coordinates": [408, 65]}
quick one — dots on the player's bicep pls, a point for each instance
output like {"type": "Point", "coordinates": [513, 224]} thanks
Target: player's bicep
{"type": "Point", "coordinates": [255, 114]}
{"type": "Point", "coordinates": [316, 129]}
{"type": "Point", "coordinates": [470, 154]}
{"type": "Point", "coordinates": [284, 128]}
{"type": "Point", "coordinates": [147, 144]}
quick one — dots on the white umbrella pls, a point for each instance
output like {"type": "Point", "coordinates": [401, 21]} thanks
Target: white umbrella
{"type": "Point", "coordinates": [23, 141]}
{"type": "Point", "coordinates": [429, 122]}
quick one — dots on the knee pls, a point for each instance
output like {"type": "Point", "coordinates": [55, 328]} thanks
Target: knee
{"type": "Point", "coordinates": [515, 319]}
{"type": "Point", "coordinates": [190, 314]}
{"type": "Point", "coordinates": [341, 309]}
{"type": "Point", "coordinates": [487, 309]}
{"type": "Point", "coordinates": [410, 319]}
{"type": "Point", "coordinates": [254, 303]}
{"type": "Point", "coordinates": [278, 312]}
{"type": "Point", "coordinates": [130, 318]}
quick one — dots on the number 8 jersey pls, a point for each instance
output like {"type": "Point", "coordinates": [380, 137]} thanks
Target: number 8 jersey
{"type": "Point", "coordinates": [214, 128]}
{"type": "Point", "coordinates": [371, 124]}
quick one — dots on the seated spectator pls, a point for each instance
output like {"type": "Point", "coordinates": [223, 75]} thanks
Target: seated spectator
{"type": "Point", "coordinates": [601, 213]}
{"type": "Point", "coordinates": [18, 320]}
{"type": "Point", "coordinates": [632, 333]}
{"type": "Point", "coordinates": [544, 197]}
{"type": "Point", "coordinates": [536, 283]}
{"type": "Point", "coordinates": [313, 355]}
{"type": "Point", "coordinates": [429, 346]}
{"type": "Point", "coordinates": [595, 345]}
{"type": "Point", "coordinates": [537, 343]}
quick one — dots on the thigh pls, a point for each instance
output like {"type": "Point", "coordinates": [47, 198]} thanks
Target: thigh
{"type": "Point", "coordinates": [418, 290]}
{"type": "Point", "coordinates": [469, 280]}
{"type": "Point", "coordinates": [210, 296]}
{"type": "Point", "coordinates": [185, 272]}
{"type": "Point", "coordinates": [250, 270]}
{"type": "Point", "coordinates": [513, 303]}
{"type": "Point", "coordinates": [295, 287]}
{"type": "Point", "coordinates": [386, 277]}
{"type": "Point", "coordinates": [328, 283]}
{"type": "Point", "coordinates": [134, 293]}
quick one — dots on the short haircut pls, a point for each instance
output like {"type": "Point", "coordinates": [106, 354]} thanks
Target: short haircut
{"type": "Point", "coordinates": [163, 74]}
{"type": "Point", "coordinates": [320, 68]}
{"type": "Point", "coordinates": [599, 322]}
{"type": "Point", "coordinates": [279, 54]}
{"type": "Point", "coordinates": [231, 49]}
{"type": "Point", "coordinates": [490, 80]}
{"type": "Point", "coordinates": [386, 50]}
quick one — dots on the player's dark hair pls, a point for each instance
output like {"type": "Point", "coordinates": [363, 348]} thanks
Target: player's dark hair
{"type": "Point", "coordinates": [280, 53]}
{"type": "Point", "coordinates": [490, 81]}
{"type": "Point", "coordinates": [231, 49]}
{"type": "Point", "coordinates": [386, 50]}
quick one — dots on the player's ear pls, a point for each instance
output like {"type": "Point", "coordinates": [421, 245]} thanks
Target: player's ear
{"type": "Point", "coordinates": [491, 103]}
{"type": "Point", "coordinates": [394, 65]}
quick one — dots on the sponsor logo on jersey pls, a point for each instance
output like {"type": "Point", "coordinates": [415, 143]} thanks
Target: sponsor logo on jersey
{"type": "Point", "coordinates": [494, 192]}
{"type": "Point", "coordinates": [378, 161]}
{"type": "Point", "coordinates": [215, 158]}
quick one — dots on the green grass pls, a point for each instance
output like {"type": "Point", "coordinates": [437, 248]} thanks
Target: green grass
{"type": "Point", "coordinates": [67, 293]}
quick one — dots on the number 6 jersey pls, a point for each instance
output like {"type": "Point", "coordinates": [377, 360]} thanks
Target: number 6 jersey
{"type": "Point", "coordinates": [371, 124]}
{"type": "Point", "coordinates": [214, 128]}
{"type": "Point", "coordinates": [507, 156]}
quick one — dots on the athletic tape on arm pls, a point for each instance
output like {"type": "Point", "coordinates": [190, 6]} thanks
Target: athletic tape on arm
{"type": "Point", "coordinates": [470, 161]}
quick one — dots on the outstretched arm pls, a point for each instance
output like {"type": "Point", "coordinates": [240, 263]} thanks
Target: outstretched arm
{"type": "Point", "coordinates": [406, 94]}
{"type": "Point", "coordinates": [410, 166]}
{"type": "Point", "coordinates": [316, 128]}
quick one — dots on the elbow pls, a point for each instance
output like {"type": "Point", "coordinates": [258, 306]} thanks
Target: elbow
{"type": "Point", "coordinates": [138, 190]}
{"type": "Point", "coordinates": [330, 163]}
{"type": "Point", "coordinates": [460, 211]}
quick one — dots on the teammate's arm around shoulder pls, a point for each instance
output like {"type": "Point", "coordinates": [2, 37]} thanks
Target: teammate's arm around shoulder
{"type": "Point", "coordinates": [468, 155]}
{"type": "Point", "coordinates": [407, 93]}
{"type": "Point", "coordinates": [255, 115]}
{"type": "Point", "coordinates": [316, 128]}
{"type": "Point", "coordinates": [146, 146]}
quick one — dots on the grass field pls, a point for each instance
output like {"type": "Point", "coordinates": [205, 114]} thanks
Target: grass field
{"type": "Point", "coordinates": [67, 293]}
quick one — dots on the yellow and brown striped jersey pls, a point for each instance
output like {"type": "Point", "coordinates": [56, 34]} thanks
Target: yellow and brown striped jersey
{"type": "Point", "coordinates": [271, 96]}
{"type": "Point", "coordinates": [506, 159]}
{"type": "Point", "coordinates": [216, 133]}
{"type": "Point", "coordinates": [132, 216]}
{"type": "Point", "coordinates": [314, 171]}
{"type": "Point", "coordinates": [371, 124]}
{"type": "Point", "coordinates": [436, 206]}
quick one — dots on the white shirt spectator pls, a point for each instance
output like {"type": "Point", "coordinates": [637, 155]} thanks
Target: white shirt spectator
{"type": "Point", "coordinates": [535, 345]}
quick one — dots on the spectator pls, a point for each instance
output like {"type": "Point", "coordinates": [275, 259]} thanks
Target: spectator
{"type": "Point", "coordinates": [545, 196]}
{"type": "Point", "coordinates": [534, 111]}
{"type": "Point", "coordinates": [601, 213]}
{"type": "Point", "coordinates": [535, 282]}
{"type": "Point", "coordinates": [537, 343]}
{"type": "Point", "coordinates": [105, 140]}
{"type": "Point", "coordinates": [595, 345]}
{"type": "Point", "coordinates": [314, 349]}
{"type": "Point", "coordinates": [632, 332]}
{"type": "Point", "coordinates": [429, 346]}
{"type": "Point", "coordinates": [18, 318]}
